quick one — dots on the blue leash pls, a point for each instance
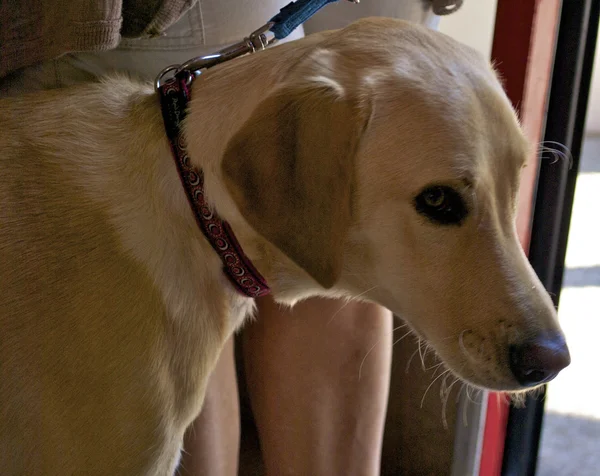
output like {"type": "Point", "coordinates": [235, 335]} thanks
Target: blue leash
{"type": "Point", "coordinates": [294, 14]}
{"type": "Point", "coordinates": [281, 25]}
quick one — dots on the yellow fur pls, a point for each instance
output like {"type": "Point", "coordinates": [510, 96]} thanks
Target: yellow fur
{"type": "Point", "coordinates": [113, 308]}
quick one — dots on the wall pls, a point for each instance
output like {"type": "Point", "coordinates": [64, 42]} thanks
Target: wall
{"type": "Point", "coordinates": [473, 24]}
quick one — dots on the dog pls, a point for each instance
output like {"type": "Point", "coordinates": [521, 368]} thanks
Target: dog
{"type": "Point", "coordinates": [381, 161]}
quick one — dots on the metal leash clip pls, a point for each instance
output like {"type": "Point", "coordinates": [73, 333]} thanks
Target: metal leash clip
{"type": "Point", "coordinates": [257, 41]}
{"type": "Point", "coordinates": [281, 25]}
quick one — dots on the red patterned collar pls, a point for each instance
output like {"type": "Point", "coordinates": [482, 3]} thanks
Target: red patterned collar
{"type": "Point", "coordinates": [174, 97]}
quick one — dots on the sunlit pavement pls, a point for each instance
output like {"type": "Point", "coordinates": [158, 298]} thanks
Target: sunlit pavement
{"type": "Point", "coordinates": [571, 434]}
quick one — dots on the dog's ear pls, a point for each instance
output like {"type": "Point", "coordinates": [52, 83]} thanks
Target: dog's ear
{"type": "Point", "coordinates": [291, 171]}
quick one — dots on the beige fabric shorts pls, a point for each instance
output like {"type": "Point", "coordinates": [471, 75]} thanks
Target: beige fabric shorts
{"type": "Point", "coordinates": [207, 27]}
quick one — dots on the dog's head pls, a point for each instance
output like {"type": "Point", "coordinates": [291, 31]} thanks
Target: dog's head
{"type": "Point", "coordinates": [387, 166]}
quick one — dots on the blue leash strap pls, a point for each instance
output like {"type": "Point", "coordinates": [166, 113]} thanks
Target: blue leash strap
{"type": "Point", "coordinates": [294, 14]}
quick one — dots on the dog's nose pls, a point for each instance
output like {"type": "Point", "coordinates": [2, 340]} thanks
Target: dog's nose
{"type": "Point", "coordinates": [539, 360]}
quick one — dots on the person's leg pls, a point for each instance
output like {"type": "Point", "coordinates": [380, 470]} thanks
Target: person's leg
{"type": "Point", "coordinates": [211, 444]}
{"type": "Point", "coordinates": [318, 378]}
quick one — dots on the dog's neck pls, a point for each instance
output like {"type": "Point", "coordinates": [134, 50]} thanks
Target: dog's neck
{"type": "Point", "coordinates": [216, 112]}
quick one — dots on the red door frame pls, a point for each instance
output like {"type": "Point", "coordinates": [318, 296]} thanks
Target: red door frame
{"type": "Point", "coordinates": [523, 52]}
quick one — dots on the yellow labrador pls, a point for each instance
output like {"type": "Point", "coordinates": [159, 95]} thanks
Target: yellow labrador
{"type": "Point", "coordinates": [381, 160]}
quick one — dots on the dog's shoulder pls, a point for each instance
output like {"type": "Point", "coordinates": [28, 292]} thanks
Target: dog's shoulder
{"type": "Point", "coordinates": [112, 91]}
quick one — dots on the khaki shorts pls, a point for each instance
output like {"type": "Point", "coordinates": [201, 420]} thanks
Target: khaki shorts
{"type": "Point", "coordinates": [207, 27]}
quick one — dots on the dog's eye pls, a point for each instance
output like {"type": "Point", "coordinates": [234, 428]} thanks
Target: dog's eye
{"type": "Point", "coordinates": [441, 204]}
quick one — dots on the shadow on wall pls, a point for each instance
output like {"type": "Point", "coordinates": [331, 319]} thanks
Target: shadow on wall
{"type": "Point", "coordinates": [581, 277]}
{"type": "Point", "coordinates": [570, 446]}
{"type": "Point", "coordinates": [590, 165]}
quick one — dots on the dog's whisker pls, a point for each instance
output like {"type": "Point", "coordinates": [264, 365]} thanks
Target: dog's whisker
{"type": "Point", "coordinates": [180, 467]}
{"type": "Point", "coordinates": [555, 154]}
{"type": "Point", "coordinates": [348, 301]}
{"type": "Point", "coordinates": [428, 349]}
{"type": "Point", "coordinates": [445, 392]}
{"type": "Point", "coordinates": [410, 360]}
{"type": "Point", "coordinates": [464, 415]}
{"type": "Point", "coordinates": [498, 399]}
{"type": "Point", "coordinates": [378, 341]}
{"type": "Point", "coordinates": [445, 403]}
{"type": "Point", "coordinates": [421, 354]}
{"type": "Point", "coordinates": [436, 366]}
{"type": "Point", "coordinates": [402, 338]}
{"type": "Point", "coordinates": [444, 389]}
{"type": "Point", "coordinates": [470, 391]}
{"type": "Point", "coordinates": [375, 345]}
{"type": "Point", "coordinates": [431, 384]}
{"type": "Point", "coordinates": [448, 388]}
{"type": "Point", "coordinates": [401, 326]}
{"type": "Point", "coordinates": [557, 151]}
{"type": "Point", "coordinates": [443, 384]}
{"type": "Point", "coordinates": [365, 358]}
{"type": "Point", "coordinates": [465, 406]}
{"type": "Point", "coordinates": [518, 399]}
{"type": "Point", "coordinates": [183, 450]}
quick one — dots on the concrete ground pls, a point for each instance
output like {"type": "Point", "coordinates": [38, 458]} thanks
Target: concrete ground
{"type": "Point", "coordinates": [571, 436]}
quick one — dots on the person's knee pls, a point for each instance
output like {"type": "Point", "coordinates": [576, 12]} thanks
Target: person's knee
{"type": "Point", "coordinates": [338, 322]}
{"type": "Point", "coordinates": [360, 318]}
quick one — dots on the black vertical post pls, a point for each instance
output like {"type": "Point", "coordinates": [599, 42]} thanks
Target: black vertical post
{"type": "Point", "coordinates": [565, 124]}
